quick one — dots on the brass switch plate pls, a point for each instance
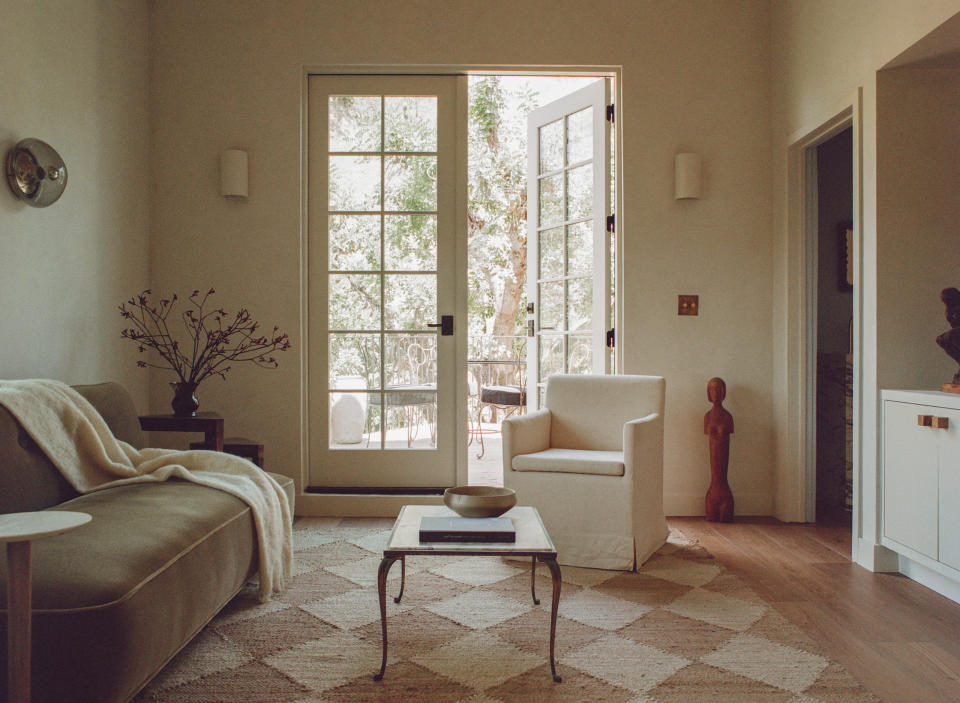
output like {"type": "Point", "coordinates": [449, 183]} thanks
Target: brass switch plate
{"type": "Point", "coordinates": [688, 305]}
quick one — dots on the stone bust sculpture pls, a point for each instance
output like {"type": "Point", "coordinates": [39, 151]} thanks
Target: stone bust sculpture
{"type": "Point", "coordinates": [949, 341]}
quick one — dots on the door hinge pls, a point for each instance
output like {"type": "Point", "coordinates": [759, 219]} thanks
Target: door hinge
{"type": "Point", "coordinates": [612, 223]}
{"type": "Point", "coordinates": [611, 113]}
{"type": "Point", "coordinates": [612, 338]}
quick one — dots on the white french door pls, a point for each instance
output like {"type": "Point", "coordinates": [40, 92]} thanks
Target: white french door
{"type": "Point", "coordinates": [568, 247]}
{"type": "Point", "coordinates": [381, 278]}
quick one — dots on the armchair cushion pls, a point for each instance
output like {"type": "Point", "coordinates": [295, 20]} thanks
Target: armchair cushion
{"type": "Point", "coordinates": [571, 461]}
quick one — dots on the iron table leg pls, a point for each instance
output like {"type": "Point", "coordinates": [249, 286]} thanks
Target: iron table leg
{"type": "Point", "coordinates": [555, 574]}
{"type": "Point", "coordinates": [533, 580]}
{"type": "Point", "coordinates": [382, 572]}
{"type": "Point", "coordinates": [403, 578]}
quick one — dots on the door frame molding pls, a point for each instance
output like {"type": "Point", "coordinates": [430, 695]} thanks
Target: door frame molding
{"type": "Point", "coordinates": [310, 504]}
{"type": "Point", "coordinates": [802, 312]}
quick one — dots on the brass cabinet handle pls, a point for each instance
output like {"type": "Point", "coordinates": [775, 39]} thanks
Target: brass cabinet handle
{"type": "Point", "coordinates": [939, 423]}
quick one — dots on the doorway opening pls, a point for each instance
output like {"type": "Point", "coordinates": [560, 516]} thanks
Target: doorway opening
{"type": "Point", "coordinates": [833, 304]}
{"type": "Point", "coordinates": [410, 176]}
{"type": "Point", "coordinates": [540, 251]}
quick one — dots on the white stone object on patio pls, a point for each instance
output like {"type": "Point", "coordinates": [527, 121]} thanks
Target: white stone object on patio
{"type": "Point", "coordinates": [349, 412]}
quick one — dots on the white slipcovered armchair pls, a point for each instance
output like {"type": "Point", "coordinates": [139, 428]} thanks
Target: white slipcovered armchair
{"type": "Point", "coordinates": [591, 462]}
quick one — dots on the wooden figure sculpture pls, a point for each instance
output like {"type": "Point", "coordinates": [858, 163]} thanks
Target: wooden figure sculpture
{"type": "Point", "coordinates": [949, 341]}
{"type": "Point", "coordinates": [718, 426]}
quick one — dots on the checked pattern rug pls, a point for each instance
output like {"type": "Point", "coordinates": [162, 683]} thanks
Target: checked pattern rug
{"type": "Point", "coordinates": [681, 629]}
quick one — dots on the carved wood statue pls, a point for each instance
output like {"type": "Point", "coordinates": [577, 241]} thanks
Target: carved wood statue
{"type": "Point", "coordinates": [949, 341]}
{"type": "Point", "coordinates": [718, 426]}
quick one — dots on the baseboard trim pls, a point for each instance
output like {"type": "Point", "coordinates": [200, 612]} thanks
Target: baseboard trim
{"type": "Point", "coordinates": [691, 504]}
{"type": "Point", "coordinates": [380, 505]}
{"type": "Point", "coordinates": [877, 558]}
{"type": "Point", "coordinates": [944, 585]}
{"type": "Point", "coordinates": [357, 505]}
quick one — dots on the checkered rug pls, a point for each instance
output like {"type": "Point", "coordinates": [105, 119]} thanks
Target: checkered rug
{"type": "Point", "coordinates": [682, 629]}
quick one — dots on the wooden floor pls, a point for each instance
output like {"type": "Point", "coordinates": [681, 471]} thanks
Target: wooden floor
{"type": "Point", "coordinates": [898, 638]}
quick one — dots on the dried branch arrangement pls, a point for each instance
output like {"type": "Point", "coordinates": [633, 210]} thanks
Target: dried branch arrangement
{"type": "Point", "coordinates": [215, 339]}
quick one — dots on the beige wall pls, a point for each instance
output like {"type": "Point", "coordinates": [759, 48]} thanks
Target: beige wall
{"type": "Point", "coordinates": [74, 75]}
{"type": "Point", "coordinates": [695, 77]}
{"type": "Point", "coordinates": [822, 52]}
{"type": "Point", "coordinates": [724, 79]}
{"type": "Point", "coordinates": [918, 210]}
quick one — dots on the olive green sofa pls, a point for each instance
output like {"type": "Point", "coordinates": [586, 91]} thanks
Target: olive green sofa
{"type": "Point", "coordinates": [117, 598]}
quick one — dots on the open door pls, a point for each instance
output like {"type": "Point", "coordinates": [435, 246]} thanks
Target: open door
{"type": "Point", "coordinates": [568, 248]}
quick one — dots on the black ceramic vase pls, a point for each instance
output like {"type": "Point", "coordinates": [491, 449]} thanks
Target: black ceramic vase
{"type": "Point", "coordinates": [184, 402]}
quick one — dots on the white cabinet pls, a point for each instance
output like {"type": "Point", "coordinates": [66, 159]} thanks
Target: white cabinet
{"type": "Point", "coordinates": [921, 475]}
{"type": "Point", "coordinates": [910, 478]}
{"type": "Point", "coordinates": [950, 493]}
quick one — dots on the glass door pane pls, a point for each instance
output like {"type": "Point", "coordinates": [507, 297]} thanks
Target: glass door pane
{"type": "Point", "coordinates": [567, 243]}
{"type": "Point", "coordinates": [392, 179]}
{"type": "Point", "coordinates": [380, 269]}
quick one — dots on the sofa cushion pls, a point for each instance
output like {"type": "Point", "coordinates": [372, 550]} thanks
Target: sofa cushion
{"type": "Point", "coordinates": [28, 481]}
{"type": "Point", "coordinates": [115, 405]}
{"type": "Point", "coordinates": [571, 461]}
{"type": "Point", "coordinates": [116, 598]}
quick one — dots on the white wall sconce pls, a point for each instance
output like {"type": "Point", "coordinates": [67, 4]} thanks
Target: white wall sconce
{"type": "Point", "coordinates": [233, 173]}
{"type": "Point", "coordinates": [687, 169]}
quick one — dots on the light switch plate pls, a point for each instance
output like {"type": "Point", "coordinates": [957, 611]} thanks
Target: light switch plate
{"type": "Point", "coordinates": [688, 304]}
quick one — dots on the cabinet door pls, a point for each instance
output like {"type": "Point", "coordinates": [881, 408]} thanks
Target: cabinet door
{"type": "Point", "coordinates": [910, 480]}
{"type": "Point", "coordinates": [949, 450]}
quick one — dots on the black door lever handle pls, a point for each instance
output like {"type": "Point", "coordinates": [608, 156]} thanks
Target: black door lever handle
{"type": "Point", "coordinates": [445, 325]}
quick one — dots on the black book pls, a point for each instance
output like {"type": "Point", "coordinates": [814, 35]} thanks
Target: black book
{"type": "Point", "coordinates": [467, 529]}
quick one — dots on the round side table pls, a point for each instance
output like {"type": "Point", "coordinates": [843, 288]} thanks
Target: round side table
{"type": "Point", "coordinates": [18, 530]}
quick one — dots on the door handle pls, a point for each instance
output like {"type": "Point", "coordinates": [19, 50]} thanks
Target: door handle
{"type": "Point", "coordinates": [445, 325]}
{"type": "Point", "coordinates": [938, 423]}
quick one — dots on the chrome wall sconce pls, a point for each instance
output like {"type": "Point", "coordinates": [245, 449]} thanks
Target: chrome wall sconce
{"type": "Point", "coordinates": [36, 173]}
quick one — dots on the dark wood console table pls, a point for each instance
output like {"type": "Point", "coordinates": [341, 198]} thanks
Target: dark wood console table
{"type": "Point", "coordinates": [210, 423]}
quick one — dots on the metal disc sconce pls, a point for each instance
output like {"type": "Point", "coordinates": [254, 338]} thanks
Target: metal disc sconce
{"type": "Point", "coordinates": [36, 173]}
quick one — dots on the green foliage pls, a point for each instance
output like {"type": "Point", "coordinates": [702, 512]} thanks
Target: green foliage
{"type": "Point", "coordinates": [496, 231]}
{"type": "Point", "coordinates": [497, 206]}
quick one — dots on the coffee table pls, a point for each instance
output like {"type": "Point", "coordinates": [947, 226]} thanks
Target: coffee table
{"type": "Point", "coordinates": [532, 541]}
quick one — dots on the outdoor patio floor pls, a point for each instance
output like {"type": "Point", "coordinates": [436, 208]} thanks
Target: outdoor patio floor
{"type": "Point", "coordinates": [487, 470]}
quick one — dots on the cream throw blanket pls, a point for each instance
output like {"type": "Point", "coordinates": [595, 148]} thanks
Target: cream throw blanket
{"type": "Point", "coordinates": [78, 441]}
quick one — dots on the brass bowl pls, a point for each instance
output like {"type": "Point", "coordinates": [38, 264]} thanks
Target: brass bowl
{"type": "Point", "coordinates": [479, 501]}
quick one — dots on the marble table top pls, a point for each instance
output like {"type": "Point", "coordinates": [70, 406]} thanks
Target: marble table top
{"type": "Point", "coordinates": [23, 527]}
{"type": "Point", "coordinates": [532, 537]}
